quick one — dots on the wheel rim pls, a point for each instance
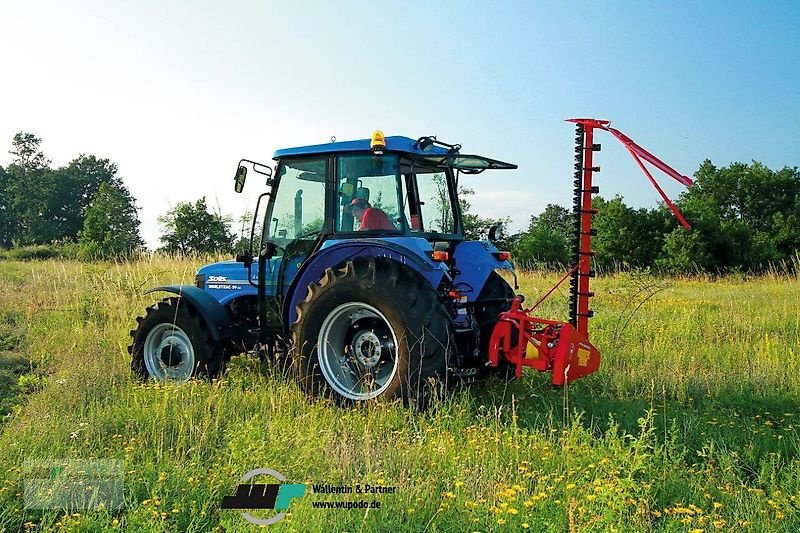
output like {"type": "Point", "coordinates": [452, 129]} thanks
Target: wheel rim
{"type": "Point", "coordinates": [357, 351]}
{"type": "Point", "coordinates": [168, 354]}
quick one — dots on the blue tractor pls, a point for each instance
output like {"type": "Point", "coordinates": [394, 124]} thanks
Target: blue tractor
{"type": "Point", "coordinates": [360, 276]}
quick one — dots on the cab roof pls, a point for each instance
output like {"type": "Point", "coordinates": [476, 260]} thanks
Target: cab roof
{"type": "Point", "coordinates": [393, 144]}
{"type": "Point", "coordinates": [432, 155]}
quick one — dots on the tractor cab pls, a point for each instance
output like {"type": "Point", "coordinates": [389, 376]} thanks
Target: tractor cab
{"type": "Point", "coordinates": [398, 190]}
{"type": "Point", "coordinates": [379, 187]}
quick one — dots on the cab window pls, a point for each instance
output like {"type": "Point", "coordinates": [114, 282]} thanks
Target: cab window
{"type": "Point", "coordinates": [430, 209]}
{"type": "Point", "coordinates": [299, 208]}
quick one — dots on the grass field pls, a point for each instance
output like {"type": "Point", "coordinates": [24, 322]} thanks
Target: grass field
{"type": "Point", "coordinates": [691, 423]}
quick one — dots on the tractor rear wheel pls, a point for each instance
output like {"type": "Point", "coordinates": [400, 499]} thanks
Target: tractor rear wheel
{"type": "Point", "coordinates": [372, 330]}
{"type": "Point", "coordinates": [173, 344]}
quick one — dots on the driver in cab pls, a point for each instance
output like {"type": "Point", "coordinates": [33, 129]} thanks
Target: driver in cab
{"type": "Point", "coordinates": [368, 217]}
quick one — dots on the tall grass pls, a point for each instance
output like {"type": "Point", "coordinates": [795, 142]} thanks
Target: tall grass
{"type": "Point", "coordinates": [691, 423]}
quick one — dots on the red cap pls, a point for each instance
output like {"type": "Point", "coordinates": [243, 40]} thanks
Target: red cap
{"type": "Point", "coordinates": [360, 202]}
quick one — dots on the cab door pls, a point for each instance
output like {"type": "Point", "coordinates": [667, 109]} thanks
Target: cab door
{"type": "Point", "coordinates": [296, 220]}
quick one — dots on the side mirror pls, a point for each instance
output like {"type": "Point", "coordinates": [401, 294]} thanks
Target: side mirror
{"type": "Point", "coordinates": [496, 232]}
{"type": "Point", "coordinates": [241, 175]}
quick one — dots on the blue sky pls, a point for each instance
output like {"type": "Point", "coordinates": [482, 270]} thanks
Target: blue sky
{"type": "Point", "coordinates": [177, 92]}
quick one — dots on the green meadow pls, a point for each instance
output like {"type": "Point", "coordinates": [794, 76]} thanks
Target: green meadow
{"type": "Point", "coordinates": [691, 424]}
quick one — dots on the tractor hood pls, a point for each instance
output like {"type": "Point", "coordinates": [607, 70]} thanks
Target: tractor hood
{"type": "Point", "coordinates": [227, 280]}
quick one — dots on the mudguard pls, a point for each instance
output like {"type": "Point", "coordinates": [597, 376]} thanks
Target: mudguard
{"type": "Point", "coordinates": [214, 314]}
{"type": "Point", "coordinates": [474, 261]}
{"type": "Point", "coordinates": [342, 251]}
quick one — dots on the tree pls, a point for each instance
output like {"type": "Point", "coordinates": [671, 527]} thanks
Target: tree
{"type": "Point", "coordinates": [193, 229]}
{"type": "Point", "coordinates": [615, 232]}
{"type": "Point", "coordinates": [746, 215]}
{"type": "Point", "coordinates": [627, 236]}
{"type": "Point", "coordinates": [548, 239]}
{"type": "Point", "coordinates": [683, 252]}
{"type": "Point", "coordinates": [39, 204]}
{"type": "Point", "coordinates": [28, 191]}
{"type": "Point", "coordinates": [73, 190]}
{"type": "Point", "coordinates": [111, 227]}
{"type": "Point", "coordinates": [246, 225]}
{"type": "Point", "coordinates": [476, 227]}
{"type": "Point", "coordinates": [27, 155]}
{"type": "Point", "coordinates": [540, 246]}
{"type": "Point", "coordinates": [8, 220]}
{"type": "Point", "coordinates": [555, 219]}
{"type": "Point", "coordinates": [444, 208]}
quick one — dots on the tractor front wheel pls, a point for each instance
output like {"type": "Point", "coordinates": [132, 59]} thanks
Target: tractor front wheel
{"type": "Point", "coordinates": [173, 344]}
{"type": "Point", "coordinates": [373, 329]}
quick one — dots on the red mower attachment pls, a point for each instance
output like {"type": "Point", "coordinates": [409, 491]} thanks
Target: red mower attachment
{"type": "Point", "coordinates": [546, 345]}
{"type": "Point", "coordinates": [563, 348]}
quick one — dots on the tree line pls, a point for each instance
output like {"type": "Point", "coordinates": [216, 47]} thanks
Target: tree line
{"type": "Point", "coordinates": [85, 210]}
{"type": "Point", "coordinates": [745, 217]}
{"type": "Point", "coordinates": [84, 202]}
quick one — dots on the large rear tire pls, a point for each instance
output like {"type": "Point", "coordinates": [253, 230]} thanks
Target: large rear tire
{"type": "Point", "coordinates": [372, 330]}
{"type": "Point", "coordinates": [173, 344]}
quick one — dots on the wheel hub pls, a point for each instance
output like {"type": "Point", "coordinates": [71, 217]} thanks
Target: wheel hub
{"type": "Point", "coordinates": [367, 348]}
{"type": "Point", "coordinates": [357, 351]}
{"type": "Point", "coordinates": [168, 354]}
{"type": "Point", "coordinates": [171, 354]}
